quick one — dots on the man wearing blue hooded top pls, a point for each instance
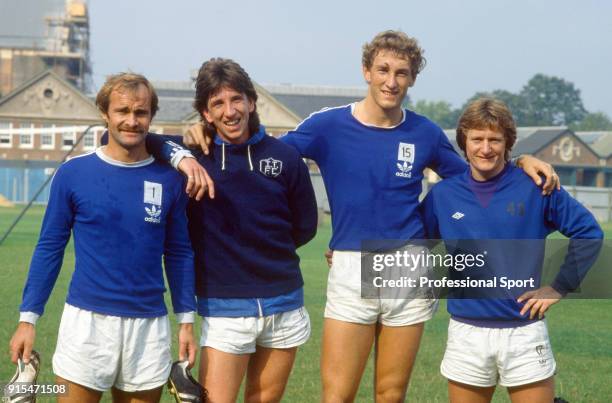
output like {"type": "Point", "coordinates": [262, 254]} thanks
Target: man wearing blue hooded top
{"type": "Point", "coordinates": [248, 282]}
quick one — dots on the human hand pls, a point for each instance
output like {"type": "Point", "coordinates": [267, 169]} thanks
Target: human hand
{"type": "Point", "coordinates": [328, 256]}
{"type": "Point", "coordinates": [534, 167]}
{"type": "Point", "coordinates": [22, 342]}
{"type": "Point", "coordinates": [198, 180]}
{"type": "Point", "coordinates": [186, 343]}
{"type": "Point", "coordinates": [538, 301]}
{"type": "Point", "coordinates": [198, 136]}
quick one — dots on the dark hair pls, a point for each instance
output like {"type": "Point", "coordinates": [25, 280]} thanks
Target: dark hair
{"type": "Point", "coordinates": [400, 44]}
{"type": "Point", "coordinates": [217, 73]}
{"type": "Point", "coordinates": [487, 113]}
{"type": "Point", "coordinates": [130, 82]}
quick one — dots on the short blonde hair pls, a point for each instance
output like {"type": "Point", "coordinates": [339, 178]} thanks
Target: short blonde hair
{"type": "Point", "coordinates": [487, 113]}
{"type": "Point", "coordinates": [398, 43]}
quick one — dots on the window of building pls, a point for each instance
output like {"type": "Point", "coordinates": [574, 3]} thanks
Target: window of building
{"type": "Point", "coordinates": [47, 137]}
{"type": "Point", "coordinates": [6, 138]}
{"type": "Point", "coordinates": [589, 178]}
{"type": "Point", "coordinates": [68, 140]}
{"type": "Point", "coordinates": [567, 176]}
{"type": "Point", "coordinates": [89, 141]}
{"type": "Point", "coordinates": [608, 183]}
{"type": "Point", "coordinates": [26, 135]}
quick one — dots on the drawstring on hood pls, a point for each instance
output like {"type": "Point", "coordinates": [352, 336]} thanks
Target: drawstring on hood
{"type": "Point", "coordinates": [254, 139]}
{"type": "Point", "coordinates": [223, 156]}
{"type": "Point", "coordinates": [249, 157]}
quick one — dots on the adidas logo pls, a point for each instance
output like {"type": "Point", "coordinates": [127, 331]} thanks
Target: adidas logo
{"type": "Point", "coordinates": [154, 214]}
{"type": "Point", "coordinates": [458, 215]}
{"type": "Point", "coordinates": [404, 170]}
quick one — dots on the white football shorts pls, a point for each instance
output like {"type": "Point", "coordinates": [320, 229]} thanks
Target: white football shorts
{"type": "Point", "coordinates": [345, 302]}
{"type": "Point", "coordinates": [241, 335]}
{"type": "Point", "coordinates": [482, 356]}
{"type": "Point", "coordinates": [101, 351]}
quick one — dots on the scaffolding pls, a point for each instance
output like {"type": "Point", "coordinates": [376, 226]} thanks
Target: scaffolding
{"type": "Point", "coordinates": [61, 42]}
{"type": "Point", "coordinates": [68, 44]}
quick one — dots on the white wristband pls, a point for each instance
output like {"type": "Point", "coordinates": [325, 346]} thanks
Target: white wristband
{"type": "Point", "coordinates": [185, 317]}
{"type": "Point", "coordinates": [29, 317]}
{"type": "Point", "coordinates": [178, 156]}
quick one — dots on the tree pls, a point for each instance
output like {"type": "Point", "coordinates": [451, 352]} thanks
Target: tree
{"type": "Point", "coordinates": [515, 102]}
{"type": "Point", "coordinates": [551, 101]}
{"type": "Point", "coordinates": [593, 122]}
{"type": "Point", "coordinates": [440, 112]}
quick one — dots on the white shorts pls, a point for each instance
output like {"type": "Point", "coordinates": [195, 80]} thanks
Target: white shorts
{"type": "Point", "coordinates": [481, 356]}
{"type": "Point", "coordinates": [242, 335]}
{"type": "Point", "coordinates": [101, 351]}
{"type": "Point", "coordinates": [345, 303]}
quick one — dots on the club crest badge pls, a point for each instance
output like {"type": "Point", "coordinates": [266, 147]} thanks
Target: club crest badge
{"type": "Point", "coordinates": [270, 167]}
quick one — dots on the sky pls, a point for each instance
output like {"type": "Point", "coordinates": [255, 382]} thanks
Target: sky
{"type": "Point", "coordinates": [470, 45]}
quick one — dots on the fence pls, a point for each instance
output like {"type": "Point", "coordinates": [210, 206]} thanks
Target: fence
{"type": "Point", "coordinates": [19, 180]}
{"type": "Point", "coordinates": [597, 200]}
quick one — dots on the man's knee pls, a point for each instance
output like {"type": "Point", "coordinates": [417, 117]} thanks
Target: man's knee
{"type": "Point", "coordinates": [257, 394]}
{"type": "Point", "coordinates": [390, 395]}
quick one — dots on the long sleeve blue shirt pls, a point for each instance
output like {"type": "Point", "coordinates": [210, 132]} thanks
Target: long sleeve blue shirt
{"type": "Point", "coordinates": [124, 218]}
{"type": "Point", "coordinates": [509, 207]}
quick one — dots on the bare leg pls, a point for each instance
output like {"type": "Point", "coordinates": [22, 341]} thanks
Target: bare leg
{"type": "Point", "coordinates": [221, 374]}
{"type": "Point", "coordinates": [462, 393]}
{"type": "Point", "coordinates": [396, 350]}
{"type": "Point", "coordinates": [268, 373]}
{"type": "Point", "coordinates": [345, 350]}
{"type": "Point", "coordinates": [77, 393]}
{"type": "Point", "coordinates": [141, 396]}
{"type": "Point", "coordinates": [537, 392]}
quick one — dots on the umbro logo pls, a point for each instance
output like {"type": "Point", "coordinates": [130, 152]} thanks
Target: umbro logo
{"type": "Point", "coordinates": [458, 215]}
{"type": "Point", "coordinates": [154, 214]}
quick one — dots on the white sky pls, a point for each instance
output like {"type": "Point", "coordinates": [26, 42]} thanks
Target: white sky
{"type": "Point", "coordinates": [470, 45]}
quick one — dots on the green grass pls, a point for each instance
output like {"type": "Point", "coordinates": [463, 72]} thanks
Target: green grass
{"type": "Point", "coordinates": [580, 330]}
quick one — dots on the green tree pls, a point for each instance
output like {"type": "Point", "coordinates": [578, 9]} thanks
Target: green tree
{"type": "Point", "coordinates": [440, 112]}
{"type": "Point", "coordinates": [551, 101]}
{"type": "Point", "coordinates": [515, 102]}
{"type": "Point", "coordinates": [593, 122]}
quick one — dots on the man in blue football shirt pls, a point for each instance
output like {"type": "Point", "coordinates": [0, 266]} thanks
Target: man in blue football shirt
{"type": "Point", "coordinates": [500, 337]}
{"type": "Point", "coordinates": [126, 211]}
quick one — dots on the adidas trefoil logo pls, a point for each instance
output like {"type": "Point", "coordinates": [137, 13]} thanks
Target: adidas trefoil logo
{"type": "Point", "coordinates": [458, 215]}
{"type": "Point", "coordinates": [404, 169]}
{"type": "Point", "coordinates": [154, 214]}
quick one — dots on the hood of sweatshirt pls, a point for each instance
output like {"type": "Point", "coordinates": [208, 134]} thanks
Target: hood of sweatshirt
{"type": "Point", "coordinates": [229, 148]}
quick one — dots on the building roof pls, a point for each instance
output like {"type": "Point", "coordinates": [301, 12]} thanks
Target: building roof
{"type": "Point", "coordinates": [22, 23]}
{"type": "Point", "coordinates": [304, 100]}
{"type": "Point", "coordinates": [174, 109]}
{"type": "Point", "coordinates": [304, 105]}
{"type": "Point", "coordinates": [602, 145]}
{"type": "Point", "coordinates": [536, 141]}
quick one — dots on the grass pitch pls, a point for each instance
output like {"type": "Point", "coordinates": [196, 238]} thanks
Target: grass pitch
{"type": "Point", "coordinates": [580, 330]}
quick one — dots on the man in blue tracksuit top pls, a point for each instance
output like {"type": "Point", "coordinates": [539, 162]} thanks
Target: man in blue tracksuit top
{"type": "Point", "coordinates": [501, 338]}
{"type": "Point", "coordinates": [372, 155]}
{"type": "Point", "coordinates": [248, 281]}
{"type": "Point", "coordinates": [125, 211]}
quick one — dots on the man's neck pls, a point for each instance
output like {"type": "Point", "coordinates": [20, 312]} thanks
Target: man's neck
{"type": "Point", "coordinates": [121, 154]}
{"type": "Point", "coordinates": [370, 113]}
